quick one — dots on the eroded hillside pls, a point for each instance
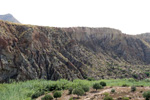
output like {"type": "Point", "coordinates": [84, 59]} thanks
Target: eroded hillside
{"type": "Point", "coordinates": [32, 52]}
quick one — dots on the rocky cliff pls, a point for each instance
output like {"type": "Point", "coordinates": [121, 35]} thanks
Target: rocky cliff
{"type": "Point", "coordinates": [35, 52]}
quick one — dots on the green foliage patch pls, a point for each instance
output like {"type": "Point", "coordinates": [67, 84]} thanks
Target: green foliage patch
{"type": "Point", "coordinates": [27, 88]}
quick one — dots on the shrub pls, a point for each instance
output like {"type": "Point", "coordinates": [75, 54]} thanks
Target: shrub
{"type": "Point", "coordinates": [97, 86]}
{"type": "Point", "coordinates": [146, 95]}
{"type": "Point", "coordinates": [37, 94]}
{"type": "Point", "coordinates": [147, 80]}
{"type": "Point", "coordinates": [70, 90]}
{"type": "Point", "coordinates": [108, 98]}
{"type": "Point", "coordinates": [85, 88]}
{"type": "Point", "coordinates": [103, 83]}
{"type": "Point", "coordinates": [57, 94]}
{"type": "Point", "coordinates": [106, 94]}
{"type": "Point", "coordinates": [112, 90]}
{"type": "Point", "coordinates": [125, 85]}
{"type": "Point", "coordinates": [133, 88]}
{"type": "Point", "coordinates": [71, 98]}
{"type": "Point", "coordinates": [125, 98]}
{"type": "Point", "coordinates": [90, 79]}
{"type": "Point", "coordinates": [51, 87]}
{"type": "Point", "coordinates": [135, 76]}
{"type": "Point", "coordinates": [78, 91]}
{"type": "Point", "coordinates": [147, 74]}
{"type": "Point", "coordinates": [47, 97]}
{"type": "Point", "coordinates": [131, 80]}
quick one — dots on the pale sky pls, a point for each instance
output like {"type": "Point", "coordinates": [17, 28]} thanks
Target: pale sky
{"type": "Point", "coordinates": [129, 16]}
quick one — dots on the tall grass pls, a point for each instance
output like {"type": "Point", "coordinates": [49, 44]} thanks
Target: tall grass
{"type": "Point", "coordinates": [24, 90]}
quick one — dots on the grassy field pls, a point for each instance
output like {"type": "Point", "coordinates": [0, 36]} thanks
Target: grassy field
{"type": "Point", "coordinates": [24, 90]}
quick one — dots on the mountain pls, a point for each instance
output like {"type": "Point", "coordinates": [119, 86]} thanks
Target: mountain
{"type": "Point", "coordinates": [9, 17]}
{"type": "Point", "coordinates": [35, 52]}
{"type": "Point", "coordinates": [145, 36]}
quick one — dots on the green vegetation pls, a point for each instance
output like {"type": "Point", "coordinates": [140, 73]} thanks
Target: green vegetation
{"type": "Point", "coordinates": [103, 83]}
{"type": "Point", "coordinates": [37, 94]}
{"type": "Point", "coordinates": [47, 97]}
{"type": "Point", "coordinates": [107, 96]}
{"type": "Point", "coordinates": [70, 90]}
{"type": "Point", "coordinates": [125, 85]}
{"type": "Point", "coordinates": [97, 86]}
{"type": "Point", "coordinates": [90, 79]}
{"type": "Point", "coordinates": [146, 95]}
{"type": "Point", "coordinates": [28, 88]}
{"type": "Point", "coordinates": [147, 74]}
{"type": "Point", "coordinates": [78, 91]}
{"type": "Point", "coordinates": [112, 90]}
{"type": "Point", "coordinates": [125, 98]}
{"type": "Point", "coordinates": [57, 94]}
{"type": "Point", "coordinates": [85, 88]}
{"type": "Point", "coordinates": [133, 88]}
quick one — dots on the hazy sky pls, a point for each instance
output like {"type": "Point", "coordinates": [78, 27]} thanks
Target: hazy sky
{"type": "Point", "coordinates": [130, 16]}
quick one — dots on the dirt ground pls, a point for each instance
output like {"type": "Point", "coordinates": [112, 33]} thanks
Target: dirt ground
{"type": "Point", "coordinates": [99, 94]}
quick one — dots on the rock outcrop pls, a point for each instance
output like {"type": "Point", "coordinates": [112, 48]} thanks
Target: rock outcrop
{"type": "Point", "coordinates": [36, 52]}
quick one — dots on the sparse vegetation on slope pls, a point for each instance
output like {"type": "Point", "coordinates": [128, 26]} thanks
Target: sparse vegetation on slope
{"type": "Point", "coordinates": [34, 52]}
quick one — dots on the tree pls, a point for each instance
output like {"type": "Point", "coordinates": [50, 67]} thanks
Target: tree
{"type": "Point", "coordinates": [103, 83]}
{"type": "Point", "coordinates": [57, 94]}
{"type": "Point", "coordinates": [78, 91]}
{"type": "Point", "coordinates": [146, 95]}
{"type": "Point", "coordinates": [97, 86]}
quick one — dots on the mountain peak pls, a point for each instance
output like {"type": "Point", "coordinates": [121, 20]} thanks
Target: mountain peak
{"type": "Point", "coordinates": [9, 17]}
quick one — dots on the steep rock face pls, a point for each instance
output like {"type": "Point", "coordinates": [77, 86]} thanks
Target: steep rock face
{"type": "Point", "coordinates": [33, 52]}
{"type": "Point", "coordinates": [9, 17]}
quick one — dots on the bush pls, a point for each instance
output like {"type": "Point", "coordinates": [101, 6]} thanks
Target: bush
{"type": "Point", "coordinates": [146, 95]}
{"type": "Point", "coordinates": [135, 76]}
{"type": "Point", "coordinates": [131, 80]}
{"type": "Point", "coordinates": [51, 87]}
{"type": "Point", "coordinates": [37, 94]}
{"type": "Point", "coordinates": [78, 91]}
{"type": "Point", "coordinates": [125, 85]}
{"type": "Point", "coordinates": [125, 98]}
{"type": "Point", "coordinates": [85, 88]}
{"type": "Point", "coordinates": [71, 98]}
{"type": "Point", "coordinates": [106, 94]}
{"type": "Point", "coordinates": [103, 83]}
{"type": "Point", "coordinates": [70, 90]}
{"type": "Point", "coordinates": [112, 90]}
{"type": "Point", "coordinates": [97, 86]}
{"type": "Point", "coordinates": [90, 79]}
{"type": "Point", "coordinates": [133, 88]}
{"type": "Point", "coordinates": [47, 97]}
{"type": "Point", "coordinates": [147, 74]}
{"type": "Point", "coordinates": [108, 98]}
{"type": "Point", "coordinates": [57, 94]}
